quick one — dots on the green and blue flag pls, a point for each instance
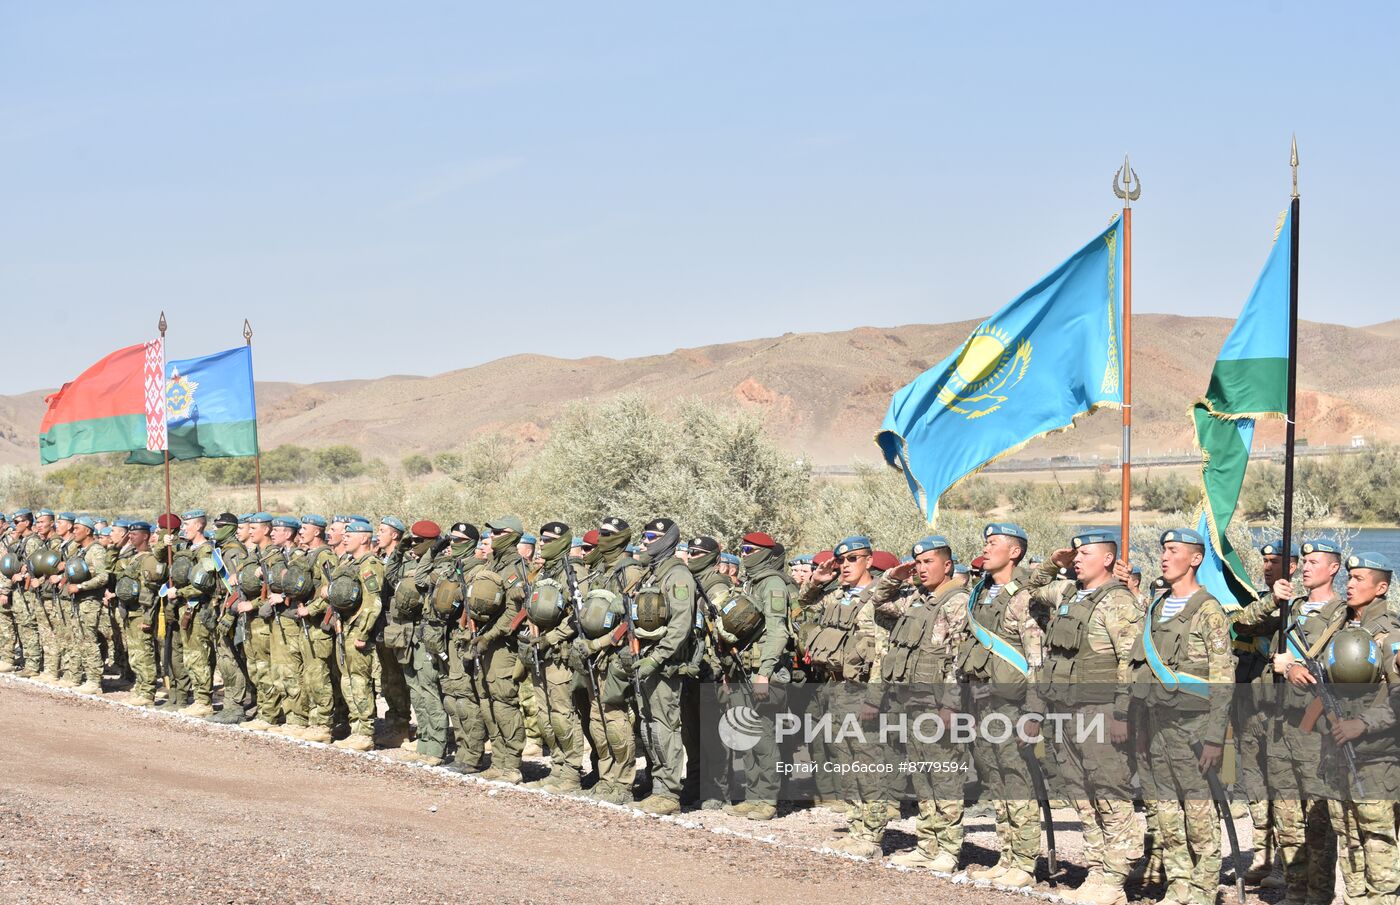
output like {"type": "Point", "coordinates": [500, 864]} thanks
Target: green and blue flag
{"type": "Point", "coordinates": [1029, 370]}
{"type": "Point", "coordinates": [210, 409]}
{"type": "Point", "coordinates": [1249, 381]}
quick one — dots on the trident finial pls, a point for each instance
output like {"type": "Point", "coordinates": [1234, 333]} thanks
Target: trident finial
{"type": "Point", "coordinates": [1293, 162]}
{"type": "Point", "coordinates": [161, 325]}
{"type": "Point", "coordinates": [1126, 184]}
{"type": "Point", "coordinates": [247, 332]}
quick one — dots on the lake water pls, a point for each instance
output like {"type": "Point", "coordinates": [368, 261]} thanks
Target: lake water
{"type": "Point", "coordinates": [1370, 540]}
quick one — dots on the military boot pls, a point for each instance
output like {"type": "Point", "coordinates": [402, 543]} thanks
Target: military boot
{"type": "Point", "coordinates": [659, 804]}
{"type": "Point", "coordinates": [173, 703]}
{"type": "Point", "coordinates": [231, 715]}
{"type": "Point", "coordinates": [198, 709]}
{"type": "Point", "coordinates": [614, 793]}
{"type": "Point", "coordinates": [461, 768]}
{"type": "Point", "coordinates": [321, 735]}
{"type": "Point", "coordinates": [741, 809]}
{"type": "Point", "coordinates": [1099, 894]}
{"type": "Point", "coordinates": [257, 725]}
{"type": "Point", "coordinates": [28, 672]}
{"type": "Point", "coordinates": [1015, 878]}
{"type": "Point", "coordinates": [7, 667]}
{"type": "Point", "coordinates": [979, 872]}
{"type": "Point", "coordinates": [141, 701]}
{"type": "Point", "coordinates": [762, 810]}
{"type": "Point", "coordinates": [564, 781]}
{"type": "Point", "coordinates": [89, 687]}
{"type": "Point", "coordinates": [916, 857]}
{"type": "Point", "coordinates": [356, 743]}
{"type": "Point", "coordinates": [861, 848]}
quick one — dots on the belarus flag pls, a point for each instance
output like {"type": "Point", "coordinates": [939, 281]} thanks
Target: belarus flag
{"type": "Point", "coordinates": [117, 405]}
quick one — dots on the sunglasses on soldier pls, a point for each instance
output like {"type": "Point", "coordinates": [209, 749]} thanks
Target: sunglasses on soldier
{"type": "Point", "coordinates": [650, 536]}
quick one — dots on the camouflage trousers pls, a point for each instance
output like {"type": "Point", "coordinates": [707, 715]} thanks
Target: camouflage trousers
{"type": "Point", "coordinates": [1370, 858]}
{"type": "Point", "coordinates": [661, 708]}
{"type": "Point", "coordinates": [1096, 776]}
{"type": "Point", "coordinates": [84, 646]}
{"type": "Point", "coordinates": [26, 615]}
{"type": "Point", "coordinates": [140, 651]}
{"type": "Point", "coordinates": [937, 783]}
{"type": "Point", "coordinates": [1252, 747]}
{"type": "Point", "coordinates": [1003, 773]}
{"type": "Point", "coordinates": [1302, 828]}
{"type": "Point", "coordinates": [226, 658]}
{"type": "Point", "coordinates": [53, 618]}
{"type": "Point", "coordinates": [497, 696]}
{"type": "Point", "coordinates": [314, 692]}
{"type": "Point", "coordinates": [1187, 823]}
{"type": "Point", "coordinates": [175, 664]}
{"type": "Point", "coordinates": [394, 688]}
{"type": "Point", "coordinates": [613, 733]}
{"type": "Point", "coordinates": [9, 632]}
{"type": "Point", "coordinates": [459, 700]}
{"type": "Point", "coordinates": [286, 649]}
{"type": "Point", "coordinates": [197, 646]}
{"type": "Point", "coordinates": [257, 649]}
{"type": "Point", "coordinates": [531, 709]}
{"type": "Point", "coordinates": [421, 678]}
{"type": "Point", "coordinates": [561, 728]}
{"type": "Point", "coordinates": [357, 685]}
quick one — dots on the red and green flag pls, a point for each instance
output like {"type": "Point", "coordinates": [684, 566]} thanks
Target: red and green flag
{"type": "Point", "coordinates": [117, 405]}
{"type": "Point", "coordinates": [1249, 381]}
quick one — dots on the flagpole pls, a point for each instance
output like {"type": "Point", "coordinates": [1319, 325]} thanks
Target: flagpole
{"type": "Point", "coordinates": [161, 325]}
{"type": "Point", "coordinates": [1291, 421]}
{"type": "Point", "coordinates": [1127, 186]}
{"type": "Point", "coordinates": [257, 455]}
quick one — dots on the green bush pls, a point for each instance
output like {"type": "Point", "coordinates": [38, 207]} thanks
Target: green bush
{"type": "Point", "coordinates": [416, 465]}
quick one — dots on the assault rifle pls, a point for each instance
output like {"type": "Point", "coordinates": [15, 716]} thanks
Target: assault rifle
{"type": "Point", "coordinates": [1324, 702]}
{"type": "Point", "coordinates": [576, 613]}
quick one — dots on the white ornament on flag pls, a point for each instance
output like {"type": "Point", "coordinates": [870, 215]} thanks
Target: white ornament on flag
{"type": "Point", "coordinates": [154, 373]}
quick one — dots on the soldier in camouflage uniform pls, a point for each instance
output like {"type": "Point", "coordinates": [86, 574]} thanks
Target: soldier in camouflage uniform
{"type": "Point", "coordinates": [396, 727]}
{"type": "Point", "coordinates": [13, 626]}
{"type": "Point", "coordinates": [88, 609]}
{"type": "Point", "coordinates": [139, 576]}
{"type": "Point", "coordinates": [611, 713]}
{"type": "Point", "coordinates": [197, 619]}
{"type": "Point", "coordinates": [548, 635]}
{"type": "Point", "coordinates": [1184, 675]}
{"type": "Point", "coordinates": [52, 613]}
{"type": "Point", "coordinates": [1092, 626]}
{"type": "Point", "coordinates": [15, 599]}
{"type": "Point", "coordinates": [1302, 826]}
{"type": "Point", "coordinates": [845, 653]}
{"type": "Point", "coordinates": [313, 643]}
{"type": "Point", "coordinates": [356, 631]}
{"type": "Point", "coordinates": [231, 627]}
{"type": "Point", "coordinates": [450, 575]}
{"type": "Point", "coordinates": [167, 544]}
{"type": "Point", "coordinates": [257, 646]}
{"type": "Point", "coordinates": [1365, 824]}
{"type": "Point", "coordinates": [664, 621]}
{"type": "Point", "coordinates": [408, 633]}
{"type": "Point", "coordinates": [1000, 661]}
{"type": "Point", "coordinates": [714, 662]}
{"type": "Point", "coordinates": [928, 633]}
{"type": "Point", "coordinates": [1253, 726]}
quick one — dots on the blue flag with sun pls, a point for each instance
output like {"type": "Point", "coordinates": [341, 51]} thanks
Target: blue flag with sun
{"type": "Point", "coordinates": [209, 408]}
{"type": "Point", "coordinates": [1029, 370]}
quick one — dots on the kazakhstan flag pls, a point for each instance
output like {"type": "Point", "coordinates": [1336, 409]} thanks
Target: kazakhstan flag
{"type": "Point", "coordinates": [1028, 370]}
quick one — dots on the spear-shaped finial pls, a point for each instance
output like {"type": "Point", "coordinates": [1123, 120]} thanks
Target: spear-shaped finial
{"type": "Point", "coordinates": [1293, 162]}
{"type": "Point", "coordinates": [1126, 184]}
{"type": "Point", "coordinates": [247, 332]}
{"type": "Point", "coordinates": [161, 324]}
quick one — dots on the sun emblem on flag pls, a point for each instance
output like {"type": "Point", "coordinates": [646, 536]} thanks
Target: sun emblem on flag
{"type": "Point", "coordinates": [179, 395]}
{"type": "Point", "coordinates": [989, 366]}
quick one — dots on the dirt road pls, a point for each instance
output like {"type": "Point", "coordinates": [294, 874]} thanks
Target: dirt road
{"type": "Point", "coordinates": [103, 803]}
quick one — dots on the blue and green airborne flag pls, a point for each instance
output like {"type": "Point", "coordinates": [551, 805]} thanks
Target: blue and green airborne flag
{"type": "Point", "coordinates": [1249, 381]}
{"type": "Point", "coordinates": [209, 408]}
{"type": "Point", "coordinates": [1029, 370]}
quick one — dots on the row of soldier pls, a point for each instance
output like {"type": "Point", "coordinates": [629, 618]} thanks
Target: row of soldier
{"type": "Point", "coordinates": [602, 645]}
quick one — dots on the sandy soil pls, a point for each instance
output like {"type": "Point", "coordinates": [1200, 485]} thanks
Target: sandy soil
{"type": "Point", "coordinates": [101, 802]}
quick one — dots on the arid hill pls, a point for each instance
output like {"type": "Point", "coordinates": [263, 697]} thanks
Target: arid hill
{"type": "Point", "coordinates": [822, 394]}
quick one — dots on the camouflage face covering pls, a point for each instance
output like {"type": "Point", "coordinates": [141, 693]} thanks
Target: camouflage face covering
{"type": "Point", "coordinates": [462, 548]}
{"type": "Point", "coordinates": [501, 543]}
{"type": "Point", "coordinates": [756, 560]}
{"type": "Point", "coordinates": [224, 533]}
{"type": "Point", "coordinates": [553, 549]}
{"type": "Point", "coordinates": [612, 543]}
{"type": "Point", "coordinates": [698, 564]}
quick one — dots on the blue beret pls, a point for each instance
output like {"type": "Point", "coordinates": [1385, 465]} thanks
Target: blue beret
{"type": "Point", "coordinates": [86, 521]}
{"type": "Point", "coordinates": [576, 542]}
{"type": "Point", "coordinates": [1006, 529]}
{"type": "Point", "coordinates": [208, 533]}
{"type": "Point", "coordinates": [193, 513]}
{"type": "Point", "coordinates": [1095, 537]}
{"type": "Point", "coordinates": [1375, 561]}
{"type": "Point", "coordinates": [318, 520]}
{"type": "Point", "coordinates": [43, 512]}
{"type": "Point", "coordinates": [122, 523]}
{"type": "Point", "coordinates": [1320, 545]}
{"type": "Point", "coordinates": [246, 517]}
{"type": "Point", "coordinates": [4, 517]}
{"type": "Point", "coordinates": [932, 542]}
{"type": "Point", "coordinates": [530, 539]}
{"type": "Point", "coordinates": [392, 522]}
{"type": "Point", "coordinates": [259, 518]}
{"type": "Point", "coordinates": [104, 531]}
{"type": "Point", "coordinates": [960, 569]}
{"type": "Point", "coordinates": [66, 517]}
{"type": "Point", "coordinates": [631, 548]}
{"type": "Point", "coordinates": [729, 558]}
{"type": "Point", "coordinates": [358, 518]}
{"type": "Point", "coordinates": [1182, 536]}
{"type": "Point", "coordinates": [1273, 549]}
{"type": "Point", "coordinates": [853, 544]}
{"type": "Point", "coordinates": [286, 521]}
{"type": "Point", "coordinates": [803, 560]}
{"type": "Point", "coordinates": [1135, 570]}
{"type": "Point", "coordinates": [358, 526]}
{"type": "Point", "coordinates": [340, 519]}
{"type": "Point", "coordinates": [23, 514]}
{"type": "Point", "coordinates": [140, 526]}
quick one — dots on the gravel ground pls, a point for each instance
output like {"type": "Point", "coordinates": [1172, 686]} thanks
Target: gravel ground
{"type": "Point", "coordinates": [101, 802]}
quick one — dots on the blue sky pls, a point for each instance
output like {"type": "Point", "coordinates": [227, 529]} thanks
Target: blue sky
{"type": "Point", "coordinates": [411, 188]}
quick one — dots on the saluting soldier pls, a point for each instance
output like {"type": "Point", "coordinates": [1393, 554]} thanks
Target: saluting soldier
{"type": "Point", "coordinates": [1184, 673]}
